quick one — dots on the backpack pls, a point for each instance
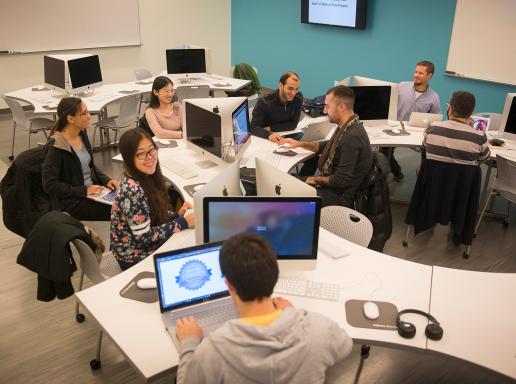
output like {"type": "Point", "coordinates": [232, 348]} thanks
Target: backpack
{"type": "Point", "coordinates": [246, 72]}
{"type": "Point", "coordinates": [314, 107]}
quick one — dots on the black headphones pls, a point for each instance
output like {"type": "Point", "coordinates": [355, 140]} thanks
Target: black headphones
{"type": "Point", "coordinates": [408, 330]}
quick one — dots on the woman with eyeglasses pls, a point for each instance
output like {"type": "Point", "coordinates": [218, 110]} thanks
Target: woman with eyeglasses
{"type": "Point", "coordinates": [164, 115]}
{"type": "Point", "coordinates": [142, 219]}
{"type": "Point", "coordinates": [69, 174]}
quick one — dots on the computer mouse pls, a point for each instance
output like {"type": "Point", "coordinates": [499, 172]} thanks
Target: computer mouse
{"type": "Point", "coordinates": [396, 130]}
{"type": "Point", "coordinates": [371, 310]}
{"type": "Point", "coordinates": [146, 283]}
{"type": "Point", "coordinates": [283, 149]}
{"type": "Point", "coordinates": [164, 141]}
{"type": "Point", "coordinates": [497, 142]}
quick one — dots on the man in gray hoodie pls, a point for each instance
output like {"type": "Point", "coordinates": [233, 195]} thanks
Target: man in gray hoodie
{"type": "Point", "coordinates": [271, 342]}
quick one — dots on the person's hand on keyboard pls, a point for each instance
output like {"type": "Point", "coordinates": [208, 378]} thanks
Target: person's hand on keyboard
{"type": "Point", "coordinates": [281, 303]}
{"type": "Point", "coordinates": [112, 184]}
{"type": "Point", "coordinates": [187, 327]}
{"type": "Point", "coordinates": [190, 219]}
{"type": "Point", "coordinates": [93, 190]}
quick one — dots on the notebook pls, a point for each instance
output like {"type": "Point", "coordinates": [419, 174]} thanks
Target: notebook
{"type": "Point", "coordinates": [190, 283]}
{"type": "Point", "coordinates": [106, 196]}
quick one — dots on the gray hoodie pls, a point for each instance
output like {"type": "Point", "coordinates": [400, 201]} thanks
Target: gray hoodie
{"type": "Point", "coordinates": [297, 347]}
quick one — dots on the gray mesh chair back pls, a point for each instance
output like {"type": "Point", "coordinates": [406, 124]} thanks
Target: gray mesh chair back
{"type": "Point", "coordinates": [128, 111]}
{"type": "Point", "coordinates": [347, 223]}
{"type": "Point", "coordinates": [506, 180]}
{"type": "Point", "coordinates": [20, 119]}
{"type": "Point", "coordinates": [91, 268]}
{"type": "Point", "coordinates": [192, 92]}
{"type": "Point", "coordinates": [142, 74]}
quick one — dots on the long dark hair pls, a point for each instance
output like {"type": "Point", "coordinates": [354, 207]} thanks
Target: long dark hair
{"type": "Point", "coordinates": [68, 106]}
{"type": "Point", "coordinates": [159, 82]}
{"type": "Point", "coordinates": [153, 185]}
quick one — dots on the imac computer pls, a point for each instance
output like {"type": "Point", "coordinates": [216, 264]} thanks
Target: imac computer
{"type": "Point", "coordinates": [375, 115]}
{"type": "Point", "coordinates": [241, 129]}
{"type": "Point", "coordinates": [84, 73]}
{"type": "Point", "coordinates": [508, 120]}
{"type": "Point", "coordinates": [290, 224]}
{"type": "Point", "coordinates": [54, 73]}
{"type": "Point", "coordinates": [226, 183]}
{"type": "Point", "coordinates": [272, 181]}
{"type": "Point", "coordinates": [186, 61]}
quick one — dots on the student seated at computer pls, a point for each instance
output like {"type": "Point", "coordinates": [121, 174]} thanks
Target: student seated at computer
{"type": "Point", "coordinates": [345, 159]}
{"type": "Point", "coordinates": [280, 111]}
{"type": "Point", "coordinates": [141, 216]}
{"type": "Point", "coordinates": [163, 114]}
{"type": "Point", "coordinates": [69, 173]}
{"type": "Point", "coordinates": [271, 342]}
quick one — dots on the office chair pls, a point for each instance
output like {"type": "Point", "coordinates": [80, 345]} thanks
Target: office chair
{"type": "Point", "coordinates": [128, 115]}
{"type": "Point", "coordinates": [143, 74]}
{"type": "Point", "coordinates": [347, 223]}
{"type": "Point", "coordinates": [33, 125]}
{"type": "Point", "coordinates": [192, 92]}
{"type": "Point", "coordinates": [91, 268]}
{"type": "Point", "coordinates": [355, 227]}
{"type": "Point", "coordinates": [504, 186]}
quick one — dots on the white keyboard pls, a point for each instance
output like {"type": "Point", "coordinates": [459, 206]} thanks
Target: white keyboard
{"type": "Point", "coordinates": [307, 288]}
{"type": "Point", "coordinates": [180, 169]}
{"type": "Point", "coordinates": [217, 315]}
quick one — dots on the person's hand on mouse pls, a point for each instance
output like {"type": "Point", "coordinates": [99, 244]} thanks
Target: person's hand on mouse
{"type": "Point", "coordinates": [187, 327]}
{"type": "Point", "coordinates": [281, 303]}
{"type": "Point", "coordinates": [289, 143]}
{"type": "Point", "coordinates": [183, 209]}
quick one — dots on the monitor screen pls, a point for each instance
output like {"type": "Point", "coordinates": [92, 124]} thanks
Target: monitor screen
{"type": "Point", "coordinates": [240, 118]}
{"type": "Point", "coordinates": [510, 125]}
{"type": "Point", "coordinates": [340, 13]}
{"type": "Point", "coordinates": [372, 101]}
{"type": "Point", "coordinates": [203, 129]}
{"type": "Point", "coordinates": [84, 71]}
{"type": "Point", "coordinates": [290, 224]}
{"type": "Point", "coordinates": [185, 61]}
{"type": "Point", "coordinates": [54, 71]}
{"type": "Point", "coordinates": [189, 276]}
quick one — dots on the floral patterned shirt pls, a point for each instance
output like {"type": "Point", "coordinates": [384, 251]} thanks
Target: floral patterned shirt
{"type": "Point", "coordinates": [132, 236]}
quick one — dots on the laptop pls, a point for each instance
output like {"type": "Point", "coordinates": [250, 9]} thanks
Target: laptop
{"type": "Point", "coordinates": [190, 283]}
{"type": "Point", "coordinates": [423, 120]}
{"type": "Point", "coordinates": [106, 196]}
{"type": "Point", "coordinates": [317, 131]}
{"type": "Point", "coordinates": [481, 123]}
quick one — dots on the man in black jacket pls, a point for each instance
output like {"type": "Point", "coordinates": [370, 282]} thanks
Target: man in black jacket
{"type": "Point", "coordinates": [279, 111]}
{"type": "Point", "coordinates": [346, 158]}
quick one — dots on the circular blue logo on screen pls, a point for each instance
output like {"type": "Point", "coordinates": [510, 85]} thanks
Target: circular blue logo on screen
{"type": "Point", "coordinates": [193, 275]}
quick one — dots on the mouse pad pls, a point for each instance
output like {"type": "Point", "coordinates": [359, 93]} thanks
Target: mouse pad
{"type": "Point", "coordinates": [190, 189]}
{"type": "Point", "coordinates": [287, 153]}
{"type": "Point", "coordinates": [131, 291]}
{"type": "Point", "coordinates": [171, 144]}
{"type": "Point", "coordinates": [389, 132]}
{"type": "Point", "coordinates": [386, 320]}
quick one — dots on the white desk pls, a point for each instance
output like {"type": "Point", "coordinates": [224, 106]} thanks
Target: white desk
{"type": "Point", "coordinates": [137, 329]}
{"type": "Point", "coordinates": [478, 313]}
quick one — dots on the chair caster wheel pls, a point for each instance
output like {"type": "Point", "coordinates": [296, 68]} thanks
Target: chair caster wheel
{"type": "Point", "coordinates": [11, 157]}
{"type": "Point", "coordinates": [465, 255]}
{"type": "Point", "coordinates": [95, 364]}
{"type": "Point", "coordinates": [79, 317]}
{"type": "Point", "coordinates": [404, 243]}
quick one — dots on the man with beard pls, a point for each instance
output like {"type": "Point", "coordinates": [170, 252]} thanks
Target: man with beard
{"type": "Point", "coordinates": [346, 158]}
{"type": "Point", "coordinates": [414, 96]}
{"type": "Point", "coordinates": [279, 111]}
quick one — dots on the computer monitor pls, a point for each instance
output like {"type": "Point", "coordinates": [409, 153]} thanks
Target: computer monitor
{"type": "Point", "coordinates": [392, 114]}
{"type": "Point", "coordinates": [372, 103]}
{"type": "Point", "coordinates": [290, 224]}
{"type": "Point", "coordinates": [185, 61]}
{"type": "Point", "coordinates": [203, 134]}
{"type": "Point", "coordinates": [508, 120]}
{"type": "Point", "coordinates": [272, 181]}
{"type": "Point", "coordinates": [226, 183]}
{"type": "Point", "coordinates": [54, 73]}
{"type": "Point", "coordinates": [85, 73]}
{"type": "Point", "coordinates": [241, 131]}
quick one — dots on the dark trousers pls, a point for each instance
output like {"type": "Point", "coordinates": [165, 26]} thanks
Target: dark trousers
{"type": "Point", "coordinates": [90, 210]}
{"type": "Point", "coordinates": [389, 153]}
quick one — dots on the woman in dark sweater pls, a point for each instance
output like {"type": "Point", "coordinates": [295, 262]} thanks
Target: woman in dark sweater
{"type": "Point", "coordinates": [69, 174]}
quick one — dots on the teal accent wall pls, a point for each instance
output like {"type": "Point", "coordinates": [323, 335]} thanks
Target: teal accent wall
{"type": "Point", "coordinates": [399, 33]}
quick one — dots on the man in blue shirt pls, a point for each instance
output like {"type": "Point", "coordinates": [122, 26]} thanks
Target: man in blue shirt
{"type": "Point", "coordinates": [414, 96]}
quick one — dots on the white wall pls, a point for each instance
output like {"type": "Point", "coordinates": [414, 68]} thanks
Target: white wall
{"type": "Point", "coordinates": [164, 24]}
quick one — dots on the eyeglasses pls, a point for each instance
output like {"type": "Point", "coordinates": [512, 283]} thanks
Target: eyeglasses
{"type": "Point", "coordinates": [144, 155]}
{"type": "Point", "coordinates": [85, 113]}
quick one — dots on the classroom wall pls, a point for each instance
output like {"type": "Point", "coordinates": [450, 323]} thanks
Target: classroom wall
{"type": "Point", "coordinates": [399, 33]}
{"type": "Point", "coordinates": [163, 24]}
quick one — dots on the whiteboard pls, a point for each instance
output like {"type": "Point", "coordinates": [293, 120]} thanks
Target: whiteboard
{"type": "Point", "coordinates": [483, 41]}
{"type": "Point", "coordinates": [53, 25]}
